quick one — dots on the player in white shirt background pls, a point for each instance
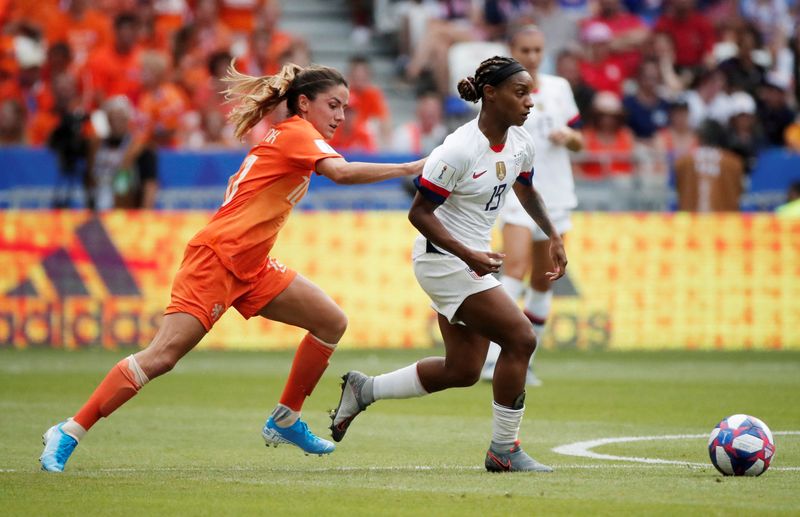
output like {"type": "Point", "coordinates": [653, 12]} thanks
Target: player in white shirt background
{"type": "Point", "coordinates": [526, 246]}
{"type": "Point", "coordinates": [460, 192]}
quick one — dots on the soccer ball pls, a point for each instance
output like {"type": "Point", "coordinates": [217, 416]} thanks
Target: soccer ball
{"type": "Point", "coordinates": [741, 445]}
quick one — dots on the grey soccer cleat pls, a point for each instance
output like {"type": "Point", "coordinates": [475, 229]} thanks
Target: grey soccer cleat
{"type": "Point", "coordinates": [500, 458]}
{"type": "Point", "coordinates": [351, 403]}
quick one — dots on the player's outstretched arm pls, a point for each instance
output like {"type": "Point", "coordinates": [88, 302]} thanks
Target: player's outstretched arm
{"type": "Point", "coordinates": [349, 173]}
{"type": "Point", "coordinates": [532, 203]}
{"type": "Point", "coordinates": [422, 217]}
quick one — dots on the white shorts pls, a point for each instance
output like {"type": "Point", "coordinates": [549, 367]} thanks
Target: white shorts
{"type": "Point", "coordinates": [513, 213]}
{"type": "Point", "coordinates": [447, 280]}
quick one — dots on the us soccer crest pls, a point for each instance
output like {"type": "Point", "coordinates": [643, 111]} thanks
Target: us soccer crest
{"type": "Point", "coordinates": [500, 167]}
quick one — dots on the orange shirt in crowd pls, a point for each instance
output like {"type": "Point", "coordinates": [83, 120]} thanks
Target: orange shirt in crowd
{"type": "Point", "coordinates": [83, 35]}
{"type": "Point", "coordinates": [162, 109]}
{"type": "Point", "coordinates": [111, 73]}
{"type": "Point", "coordinates": [273, 178]}
{"type": "Point", "coordinates": [353, 137]}
{"type": "Point", "coordinates": [368, 103]}
{"type": "Point", "coordinates": [619, 154]}
{"type": "Point", "coordinates": [239, 15]}
{"type": "Point", "coordinates": [41, 13]}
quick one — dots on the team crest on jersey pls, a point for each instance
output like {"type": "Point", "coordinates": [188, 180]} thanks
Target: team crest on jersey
{"type": "Point", "coordinates": [500, 167]}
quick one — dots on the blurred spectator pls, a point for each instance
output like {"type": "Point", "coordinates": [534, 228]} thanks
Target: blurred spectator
{"type": "Point", "coordinates": [69, 138]}
{"type": "Point", "coordinates": [82, 28]}
{"type": "Point", "coordinates": [741, 71]}
{"type": "Point", "coordinates": [568, 67]}
{"type": "Point", "coordinates": [169, 17]}
{"type": "Point", "coordinates": [773, 110]}
{"type": "Point", "coordinates": [677, 139]}
{"type": "Point", "coordinates": [162, 103]}
{"type": "Point", "coordinates": [457, 21]}
{"type": "Point", "coordinates": [710, 178]}
{"type": "Point", "coordinates": [264, 53]}
{"type": "Point", "coordinates": [745, 136]}
{"type": "Point", "coordinates": [123, 170]}
{"type": "Point", "coordinates": [791, 209]}
{"type": "Point", "coordinates": [792, 135]}
{"type": "Point", "coordinates": [30, 88]}
{"type": "Point", "coordinates": [116, 68]}
{"type": "Point", "coordinates": [661, 49]}
{"type": "Point", "coordinates": [772, 18]}
{"type": "Point", "coordinates": [367, 101]}
{"type": "Point", "coordinates": [12, 122]}
{"type": "Point", "coordinates": [350, 137]}
{"type": "Point", "coordinates": [239, 15]}
{"type": "Point", "coordinates": [601, 69]}
{"type": "Point", "coordinates": [421, 135]}
{"type": "Point", "coordinates": [628, 33]}
{"type": "Point", "coordinates": [559, 28]}
{"type": "Point", "coordinates": [646, 110]}
{"type": "Point", "coordinates": [211, 94]}
{"type": "Point", "coordinates": [708, 100]}
{"type": "Point", "coordinates": [608, 144]}
{"type": "Point", "coordinates": [212, 35]}
{"type": "Point", "coordinates": [691, 32]}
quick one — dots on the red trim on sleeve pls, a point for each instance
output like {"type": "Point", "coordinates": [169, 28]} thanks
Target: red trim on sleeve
{"type": "Point", "coordinates": [574, 120]}
{"type": "Point", "coordinates": [497, 148]}
{"type": "Point", "coordinates": [434, 188]}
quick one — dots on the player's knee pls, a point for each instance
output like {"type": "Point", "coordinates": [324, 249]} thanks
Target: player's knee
{"type": "Point", "coordinates": [334, 326]}
{"type": "Point", "coordinates": [522, 342]}
{"type": "Point", "coordinates": [465, 377]}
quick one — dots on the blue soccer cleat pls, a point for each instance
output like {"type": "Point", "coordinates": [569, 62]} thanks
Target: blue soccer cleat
{"type": "Point", "coordinates": [58, 447]}
{"type": "Point", "coordinates": [296, 434]}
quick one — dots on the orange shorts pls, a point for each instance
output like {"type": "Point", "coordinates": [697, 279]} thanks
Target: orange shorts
{"type": "Point", "coordinates": [205, 289]}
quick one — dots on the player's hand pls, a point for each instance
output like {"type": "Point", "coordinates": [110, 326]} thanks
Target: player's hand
{"type": "Point", "coordinates": [559, 136]}
{"type": "Point", "coordinates": [485, 262]}
{"type": "Point", "coordinates": [559, 257]}
{"type": "Point", "coordinates": [415, 168]}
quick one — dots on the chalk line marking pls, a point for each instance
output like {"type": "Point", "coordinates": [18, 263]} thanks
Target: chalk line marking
{"type": "Point", "coordinates": [584, 449]}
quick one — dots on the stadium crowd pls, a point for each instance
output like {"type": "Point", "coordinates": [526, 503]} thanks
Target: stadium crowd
{"type": "Point", "coordinates": [130, 76]}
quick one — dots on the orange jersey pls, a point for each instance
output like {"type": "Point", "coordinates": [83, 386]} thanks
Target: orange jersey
{"type": "Point", "coordinates": [273, 178]}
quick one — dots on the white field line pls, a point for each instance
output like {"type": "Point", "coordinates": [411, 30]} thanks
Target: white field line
{"type": "Point", "coordinates": [584, 449]}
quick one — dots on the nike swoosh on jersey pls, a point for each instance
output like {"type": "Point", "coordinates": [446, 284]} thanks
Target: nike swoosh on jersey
{"type": "Point", "coordinates": [476, 175]}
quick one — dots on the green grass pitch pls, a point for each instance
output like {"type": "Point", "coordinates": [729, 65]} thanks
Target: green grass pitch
{"type": "Point", "coordinates": [189, 443]}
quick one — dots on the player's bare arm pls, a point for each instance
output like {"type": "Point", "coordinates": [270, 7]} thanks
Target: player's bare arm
{"type": "Point", "coordinates": [422, 217]}
{"type": "Point", "coordinates": [532, 203]}
{"type": "Point", "coordinates": [349, 173]}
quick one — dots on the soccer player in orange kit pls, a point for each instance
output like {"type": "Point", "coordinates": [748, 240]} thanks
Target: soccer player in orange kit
{"type": "Point", "coordinates": [227, 263]}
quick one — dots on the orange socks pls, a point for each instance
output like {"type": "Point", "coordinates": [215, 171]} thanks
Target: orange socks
{"type": "Point", "coordinates": [120, 385]}
{"type": "Point", "coordinates": [310, 362]}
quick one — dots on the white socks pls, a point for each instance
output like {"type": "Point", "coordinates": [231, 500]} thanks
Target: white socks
{"type": "Point", "coordinates": [537, 306]}
{"type": "Point", "coordinates": [505, 424]}
{"type": "Point", "coordinates": [136, 370]}
{"type": "Point", "coordinates": [514, 287]}
{"type": "Point", "coordinates": [399, 384]}
{"type": "Point", "coordinates": [284, 416]}
{"type": "Point", "coordinates": [74, 429]}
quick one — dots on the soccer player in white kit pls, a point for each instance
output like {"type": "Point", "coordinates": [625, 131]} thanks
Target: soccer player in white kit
{"type": "Point", "coordinates": [526, 246]}
{"type": "Point", "coordinates": [460, 192]}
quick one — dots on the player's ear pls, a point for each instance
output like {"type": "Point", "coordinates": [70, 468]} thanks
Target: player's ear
{"type": "Point", "coordinates": [489, 92]}
{"type": "Point", "coordinates": [302, 103]}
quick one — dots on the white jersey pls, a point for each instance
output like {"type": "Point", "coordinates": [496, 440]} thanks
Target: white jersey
{"type": "Point", "coordinates": [554, 107]}
{"type": "Point", "coordinates": [471, 180]}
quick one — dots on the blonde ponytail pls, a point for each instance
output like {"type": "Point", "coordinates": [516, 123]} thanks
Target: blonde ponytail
{"type": "Point", "coordinates": [256, 96]}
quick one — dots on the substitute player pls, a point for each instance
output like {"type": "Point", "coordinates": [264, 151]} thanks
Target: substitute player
{"type": "Point", "coordinates": [462, 188]}
{"type": "Point", "coordinates": [227, 264]}
{"type": "Point", "coordinates": [525, 244]}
